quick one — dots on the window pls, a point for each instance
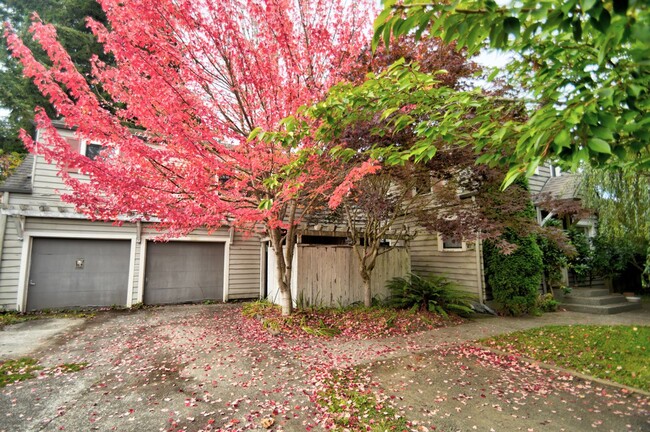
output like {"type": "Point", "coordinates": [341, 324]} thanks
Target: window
{"type": "Point", "coordinates": [93, 150]}
{"type": "Point", "coordinates": [451, 244]}
{"type": "Point", "coordinates": [75, 145]}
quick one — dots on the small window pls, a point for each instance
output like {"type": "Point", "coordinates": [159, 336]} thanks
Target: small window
{"type": "Point", "coordinates": [75, 145]}
{"type": "Point", "coordinates": [93, 150]}
{"type": "Point", "coordinates": [451, 244]}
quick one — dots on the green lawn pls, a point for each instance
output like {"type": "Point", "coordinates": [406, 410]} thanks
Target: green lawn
{"type": "Point", "coordinates": [25, 368]}
{"type": "Point", "coordinates": [8, 318]}
{"type": "Point", "coordinates": [616, 353]}
{"type": "Point", "coordinates": [17, 370]}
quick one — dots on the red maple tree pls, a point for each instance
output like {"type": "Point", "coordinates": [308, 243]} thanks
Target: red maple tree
{"type": "Point", "coordinates": [190, 81]}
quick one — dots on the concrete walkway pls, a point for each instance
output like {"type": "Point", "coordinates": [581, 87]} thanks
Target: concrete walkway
{"type": "Point", "coordinates": [22, 339]}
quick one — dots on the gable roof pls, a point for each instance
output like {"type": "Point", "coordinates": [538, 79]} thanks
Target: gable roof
{"type": "Point", "coordinates": [564, 187]}
{"type": "Point", "coordinates": [21, 179]}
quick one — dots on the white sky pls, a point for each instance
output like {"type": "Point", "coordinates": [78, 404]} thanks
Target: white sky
{"type": "Point", "coordinates": [493, 58]}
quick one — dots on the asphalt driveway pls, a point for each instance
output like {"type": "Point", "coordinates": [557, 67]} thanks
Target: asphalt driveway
{"type": "Point", "coordinates": [205, 367]}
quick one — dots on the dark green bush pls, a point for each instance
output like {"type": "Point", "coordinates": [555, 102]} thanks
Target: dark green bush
{"type": "Point", "coordinates": [515, 278]}
{"type": "Point", "coordinates": [433, 293]}
{"type": "Point", "coordinates": [556, 250]}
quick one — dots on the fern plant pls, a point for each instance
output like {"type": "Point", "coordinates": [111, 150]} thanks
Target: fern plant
{"type": "Point", "coordinates": [434, 293]}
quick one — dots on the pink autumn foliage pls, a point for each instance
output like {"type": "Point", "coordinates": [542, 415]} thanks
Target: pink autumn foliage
{"type": "Point", "coordinates": [196, 77]}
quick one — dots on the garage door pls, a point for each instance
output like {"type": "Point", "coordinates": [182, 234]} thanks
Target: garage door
{"type": "Point", "coordinates": [181, 272]}
{"type": "Point", "coordinates": [76, 272]}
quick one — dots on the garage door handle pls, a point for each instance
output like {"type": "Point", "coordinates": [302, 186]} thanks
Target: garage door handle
{"type": "Point", "coordinates": [32, 283]}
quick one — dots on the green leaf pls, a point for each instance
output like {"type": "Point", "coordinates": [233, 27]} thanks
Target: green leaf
{"type": "Point", "coordinates": [381, 19]}
{"type": "Point", "coordinates": [510, 178]}
{"type": "Point", "coordinates": [493, 74]}
{"type": "Point", "coordinates": [602, 133]}
{"type": "Point", "coordinates": [532, 166]}
{"type": "Point", "coordinates": [598, 145]}
{"type": "Point", "coordinates": [577, 30]}
{"type": "Point", "coordinates": [563, 139]}
{"type": "Point", "coordinates": [265, 204]}
{"type": "Point", "coordinates": [387, 31]}
{"type": "Point", "coordinates": [607, 120]}
{"type": "Point", "coordinates": [254, 133]}
{"type": "Point", "coordinates": [512, 25]}
{"type": "Point", "coordinates": [604, 21]}
{"type": "Point", "coordinates": [620, 6]}
{"type": "Point", "coordinates": [388, 112]}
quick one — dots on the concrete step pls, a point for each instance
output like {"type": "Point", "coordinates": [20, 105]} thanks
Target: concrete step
{"type": "Point", "coordinates": [601, 300]}
{"type": "Point", "coordinates": [602, 309]}
{"type": "Point", "coordinates": [599, 285]}
{"type": "Point", "coordinates": [589, 292]}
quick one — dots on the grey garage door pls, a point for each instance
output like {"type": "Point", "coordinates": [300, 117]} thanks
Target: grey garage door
{"type": "Point", "coordinates": [76, 272]}
{"type": "Point", "coordinates": [181, 272]}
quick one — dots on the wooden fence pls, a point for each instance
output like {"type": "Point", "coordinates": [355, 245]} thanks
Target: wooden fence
{"type": "Point", "coordinates": [329, 275]}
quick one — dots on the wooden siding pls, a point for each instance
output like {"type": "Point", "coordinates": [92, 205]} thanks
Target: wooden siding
{"type": "Point", "coordinates": [459, 266]}
{"type": "Point", "coordinates": [537, 181]}
{"type": "Point", "coordinates": [329, 275]}
{"type": "Point", "coordinates": [10, 267]}
{"type": "Point", "coordinates": [244, 267]}
{"type": "Point", "coordinates": [46, 183]}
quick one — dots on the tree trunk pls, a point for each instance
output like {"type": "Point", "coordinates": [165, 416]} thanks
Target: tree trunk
{"type": "Point", "coordinates": [287, 301]}
{"type": "Point", "coordinates": [283, 270]}
{"type": "Point", "coordinates": [367, 291]}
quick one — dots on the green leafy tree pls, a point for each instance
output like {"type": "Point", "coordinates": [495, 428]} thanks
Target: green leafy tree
{"type": "Point", "coordinates": [18, 95]}
{"type": "Point", "coordinates": [8, 163]}
{"type": "Point", "coordinates": [622, 201]}
{"type": "Point", "coordinates": [582, 64]}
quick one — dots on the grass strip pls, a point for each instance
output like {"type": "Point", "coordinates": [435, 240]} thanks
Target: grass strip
{"type": "Point", "coordinates": [617, 353]}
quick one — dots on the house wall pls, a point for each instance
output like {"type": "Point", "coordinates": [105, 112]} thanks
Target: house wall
{"type": "Point", "coordinates": [463, 267]}
{"type": "Point", "coordinates": [244, 267]}
{"type": "Point", "coordinates": [537, 181]}
{"type": "Point", "coordinates": [48, 216]}
{"type": "Point", "coordinates": [243, 255]}
{"type": "Point", "coordinates": [10, 267]}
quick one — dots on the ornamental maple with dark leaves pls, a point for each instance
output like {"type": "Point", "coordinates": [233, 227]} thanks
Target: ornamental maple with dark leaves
{"type": "Point", "coordinates": [388, 203]}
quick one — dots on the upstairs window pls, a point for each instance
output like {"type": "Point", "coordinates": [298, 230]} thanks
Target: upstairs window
{"type": "Point", "coordinates": [93, 150]}
{"type": "Point", "coordinates": [75, 145]}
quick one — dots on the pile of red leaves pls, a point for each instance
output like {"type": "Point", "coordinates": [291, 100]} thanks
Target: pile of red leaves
{"type": "Point", "coordinates": [348, 323]}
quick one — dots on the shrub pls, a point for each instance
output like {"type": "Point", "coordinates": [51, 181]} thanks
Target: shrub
{"type": "Point", "coordinates": [547, 303]}
{"type": "Point", "coordinates": [434, 293]}
{"type": "Point", "coordinates": [556, 251]}
{"type": "Point", "coordinates": [257, 308]}
{"type": "Point", "coordinates": [515, 278]}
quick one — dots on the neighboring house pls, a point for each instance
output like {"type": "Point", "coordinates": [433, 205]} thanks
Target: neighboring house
{"type": "Point", "coordinates": [53, 257]}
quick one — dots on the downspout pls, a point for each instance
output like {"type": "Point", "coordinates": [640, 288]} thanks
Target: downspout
{"type": "Point", "coordinates": [479, 270]}
{"type": "Point", "coordinates": [3, 223]}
